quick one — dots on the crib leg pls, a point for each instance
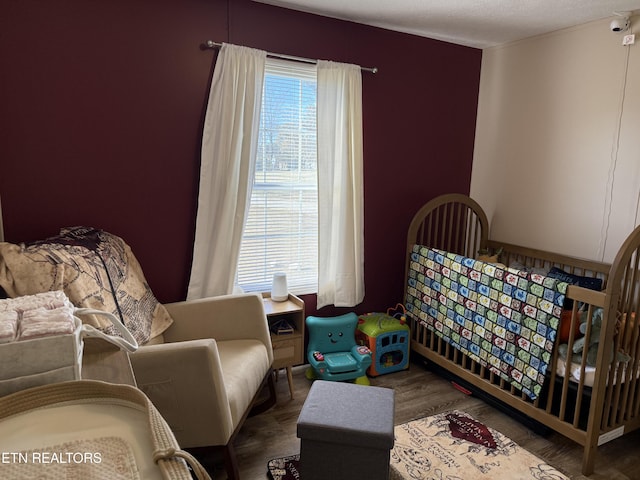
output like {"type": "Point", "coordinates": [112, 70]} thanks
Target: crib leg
{"type": "Point", "coordinates": [588, 458]}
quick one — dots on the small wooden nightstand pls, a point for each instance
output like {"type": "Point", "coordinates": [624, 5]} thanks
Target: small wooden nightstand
{"type": "Point", "coordinates": [288, 348]}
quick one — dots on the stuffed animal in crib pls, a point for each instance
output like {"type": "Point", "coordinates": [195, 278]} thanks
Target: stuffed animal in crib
{"type": "Point", "coordinates": [594, 340]}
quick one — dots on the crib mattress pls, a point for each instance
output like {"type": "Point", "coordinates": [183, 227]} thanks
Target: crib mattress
{"type": "Point", "coordinates": [575, 373]}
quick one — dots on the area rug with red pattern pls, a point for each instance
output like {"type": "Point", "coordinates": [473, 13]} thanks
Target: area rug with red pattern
{"type": "Point", "coordinates": [447, 446]}
{"type": "Point", "coordinates": [455, 446]}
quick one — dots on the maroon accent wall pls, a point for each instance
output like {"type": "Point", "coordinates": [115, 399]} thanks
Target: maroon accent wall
{"type": "Point", "coordinates": [102, 106]}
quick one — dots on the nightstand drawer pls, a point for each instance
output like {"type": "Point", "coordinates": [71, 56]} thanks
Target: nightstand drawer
{"type": "Point", "coordinates": [286, 351]}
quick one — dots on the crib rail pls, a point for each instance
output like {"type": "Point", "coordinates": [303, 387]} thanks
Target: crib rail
{"type": "Point", "coordinates": [516, 256]}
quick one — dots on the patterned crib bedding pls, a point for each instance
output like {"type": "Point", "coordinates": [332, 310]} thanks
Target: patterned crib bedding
{"type": "Point", "coordinates": [505, 319]}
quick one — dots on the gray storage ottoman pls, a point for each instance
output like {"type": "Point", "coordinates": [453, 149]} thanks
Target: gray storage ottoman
{"type": "Point", "coordinates": [346, 432]}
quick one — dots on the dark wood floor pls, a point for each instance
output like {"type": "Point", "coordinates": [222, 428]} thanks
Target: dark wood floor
{"type": "Point", "coordinates": [420, 393]}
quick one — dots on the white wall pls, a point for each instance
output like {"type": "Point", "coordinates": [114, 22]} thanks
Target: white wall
{"type": "Point", "coordinates": [557, 154]}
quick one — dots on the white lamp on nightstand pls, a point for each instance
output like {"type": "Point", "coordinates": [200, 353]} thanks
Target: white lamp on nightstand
{"type": "Point", "coordinates": [279, 290]}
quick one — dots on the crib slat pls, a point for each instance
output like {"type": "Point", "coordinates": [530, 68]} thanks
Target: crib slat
{"type": "Point", "coordinates": [458, 225]}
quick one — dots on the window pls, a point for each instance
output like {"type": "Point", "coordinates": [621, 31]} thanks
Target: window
{"type": "Point", "coordinates": [281, 234]}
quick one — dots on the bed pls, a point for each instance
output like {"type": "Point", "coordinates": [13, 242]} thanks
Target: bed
{"type": "Point", "coordinates": [591, 396]}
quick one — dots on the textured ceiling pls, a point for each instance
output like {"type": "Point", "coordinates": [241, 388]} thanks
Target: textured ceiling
{"type": "Point", "coordinates": [475, 23]}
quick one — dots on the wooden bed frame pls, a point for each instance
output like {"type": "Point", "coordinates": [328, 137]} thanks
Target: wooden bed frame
{"type": "Point", "coordinates": [589, 416]}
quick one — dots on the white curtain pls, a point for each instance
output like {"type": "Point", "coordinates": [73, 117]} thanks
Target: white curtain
{"type": "Point", "coordinates": [340, 185]}
{"type": "Point", "coordinates": [229, 143]}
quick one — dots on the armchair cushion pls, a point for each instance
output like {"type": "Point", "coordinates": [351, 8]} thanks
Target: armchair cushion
{"type": "Point", "coordinates": [340, 362]}
{"type": "Point", "coordinates": [244, 365]}
{"type": "Point", "coordinates": [95, 269]}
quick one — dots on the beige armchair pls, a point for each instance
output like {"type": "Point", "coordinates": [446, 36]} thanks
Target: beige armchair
{"type": "Point", "coordinates": [206, 370]}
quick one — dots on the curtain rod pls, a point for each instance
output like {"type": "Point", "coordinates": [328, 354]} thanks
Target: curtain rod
{"type": "Point", "coordinates": [212, 44]}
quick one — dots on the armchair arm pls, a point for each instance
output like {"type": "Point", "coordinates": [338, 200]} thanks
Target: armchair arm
{"type": "Point", "coordinates": [362, 355]}
{"type": "Point", "coordinates": [185, 383]}
{"type": "Point", "coordinates": [227, 317]}
{"type": "Point", "coordinates": [316, 360]}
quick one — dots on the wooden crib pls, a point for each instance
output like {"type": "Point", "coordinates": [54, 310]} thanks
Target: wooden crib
{"type": "Point", "coordinates": [589, 409]}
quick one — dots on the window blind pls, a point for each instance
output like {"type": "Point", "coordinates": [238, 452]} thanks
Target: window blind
{"type": "Point", "coordinates": [281, 233]}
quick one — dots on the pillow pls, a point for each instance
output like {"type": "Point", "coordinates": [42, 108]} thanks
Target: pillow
{"type": "Point", "coordinates": [585, 282]}
{"type": "Point", "coordinates": [95, 269]}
